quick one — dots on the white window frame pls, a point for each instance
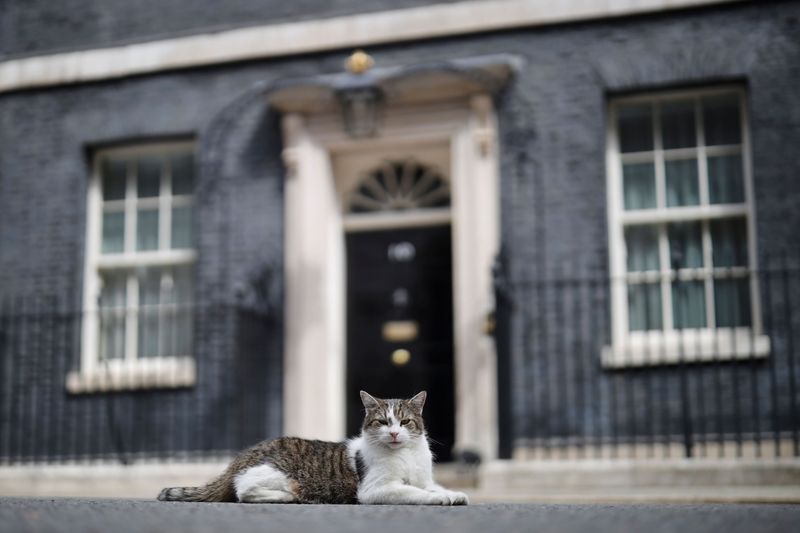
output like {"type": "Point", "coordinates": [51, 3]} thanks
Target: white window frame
{"type": "Point", "coordinates": [670, 346]}
{"type": "Point", "coordinates": [129, 372]}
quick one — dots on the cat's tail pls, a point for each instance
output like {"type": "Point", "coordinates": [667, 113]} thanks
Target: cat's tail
{"type": "Point", "coordinates": [219, 490]}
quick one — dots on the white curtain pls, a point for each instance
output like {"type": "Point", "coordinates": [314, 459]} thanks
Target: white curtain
{"type": "Point", "coordinates": [149, 312]}
{"type": "Point", "coordinates": [639, 185]}
{"type": "Point", "coordinates": [644, 299]}
{"type": "Point", "coordinates": [147, 229]}
{"type": "Point", "coordinates": [641, 243]}
{"type": "Point", "coordinates": [685, 245]}
{"type": "Point", "coordinates": [112, 312]}
{"type": "Point", "coordinates": [732, 302]}
{"type": "Point", "coordinates": [113, 232]}
{"type": "Point", "coordinates": [682, 187]}
{"type": "Point", "coordinates": [729, 242]}
{"type": "Point", "coordinates": [644, 306]}
{"type": "Point", "coordinates": [165, 314]}
{"type": "Point", "coordinates": [688, 304]}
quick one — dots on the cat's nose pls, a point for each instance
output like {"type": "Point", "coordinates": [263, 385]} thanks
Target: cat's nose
{"type": "Point", "coordinates": [394, 434]}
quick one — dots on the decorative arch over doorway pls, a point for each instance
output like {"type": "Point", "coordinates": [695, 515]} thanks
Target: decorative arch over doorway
{"type": "Point", "coordinates": [399, 185]}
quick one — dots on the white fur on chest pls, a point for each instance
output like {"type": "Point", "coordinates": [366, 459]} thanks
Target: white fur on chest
{"type": "Point", "coordinates": [399, 476]}
{"type": "Point", "coordinates": [410, 465]}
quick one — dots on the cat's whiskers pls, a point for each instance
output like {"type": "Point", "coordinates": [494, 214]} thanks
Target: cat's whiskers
{"type": "Point", "coordinates": [435, 441]}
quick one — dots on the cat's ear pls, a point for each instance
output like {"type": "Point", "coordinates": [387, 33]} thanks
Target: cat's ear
{"type": "Point", "coordinates": [418, 401]}
{"type": "Point", "coordinates": [369, 401]}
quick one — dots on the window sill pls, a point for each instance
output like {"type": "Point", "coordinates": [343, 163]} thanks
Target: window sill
{"type": "Point", "coordinates": [692, 346]}
{"type": "Point", "coordinates": [151, 373]}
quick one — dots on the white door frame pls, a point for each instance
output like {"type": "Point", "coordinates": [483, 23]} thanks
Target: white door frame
{"type": "Point", "coordinates": [314, 358]}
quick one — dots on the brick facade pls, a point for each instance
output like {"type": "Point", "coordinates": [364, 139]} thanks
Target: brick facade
{"type": "Point", "coordinates": [551, 117]}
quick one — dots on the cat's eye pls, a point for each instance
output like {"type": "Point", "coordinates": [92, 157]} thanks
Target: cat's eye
{"type": "Point", "coordinates": [406, 422]}
{"type": "Point", "coordinates": [376, 423]}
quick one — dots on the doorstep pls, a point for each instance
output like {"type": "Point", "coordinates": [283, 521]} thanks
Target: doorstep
{"type": "Point", "coordinates": [584, 481]}
{"type": "Point", "coordinates": [107, 480]}
{"type": "Point", "coordinates": [637, 480]}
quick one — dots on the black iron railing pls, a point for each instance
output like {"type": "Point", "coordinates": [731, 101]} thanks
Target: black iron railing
{"type": "Point", "coordinates": [199, 381]}
{"type": "Point", "coordinates": [577, 390]}
{"type": "Point", "coordinates": [565, 388]}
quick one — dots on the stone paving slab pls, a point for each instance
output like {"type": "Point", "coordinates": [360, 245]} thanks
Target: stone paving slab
{"type": "Point", "coordinates": [121, 516]}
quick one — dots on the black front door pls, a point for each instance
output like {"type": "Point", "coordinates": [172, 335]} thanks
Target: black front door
{"type": "Point", "coordinates": [400, 324]}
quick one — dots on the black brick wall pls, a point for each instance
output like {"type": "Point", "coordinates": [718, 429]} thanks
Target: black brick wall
{"type": "Point", "coordinates": [40, 26]}
{"type": "Point", "coordinates": [552, 159]}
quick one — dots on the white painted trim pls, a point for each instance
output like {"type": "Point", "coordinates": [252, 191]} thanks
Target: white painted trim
{"type": "Point", "coordinates": [690, 346]}
{"type": "Point", "coordinates": [91, 277]}
{"type": "Point", "coordinates": [314, 353]}
{"type": "Point", "coordinates": [410, 125]}
{"type": "Point", "coordinates": [679, 214]}
{"type": "Point", "coordinates": [284, 39]}
{"type": "Point", "coordinates": [150, 258]}
{"type": "Point", "coordinates": [132, 374]}
{"type": "Point", "coordinates": [408, 219]}
{"type": "Point", "coordinates": [476, 243]}
{"type": "Point", "coordinates": [465, 131]}
{"type": "Point", "coordinates": [671, 346]}
{"type": "Point", "coordinates": [749, 194]}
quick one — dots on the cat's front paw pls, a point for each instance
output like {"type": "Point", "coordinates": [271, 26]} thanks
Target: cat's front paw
{"type": "Point", "coordinates": [457, 498]}
{"type": "Point", "coordinates": [439, 498]}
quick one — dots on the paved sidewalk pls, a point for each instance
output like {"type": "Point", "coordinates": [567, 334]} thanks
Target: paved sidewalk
{"type": "Point", "coordinates": [122, 516]}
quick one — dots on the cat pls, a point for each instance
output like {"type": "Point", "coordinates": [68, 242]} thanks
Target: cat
{"type": "Point", "coordinates": [390, 462]}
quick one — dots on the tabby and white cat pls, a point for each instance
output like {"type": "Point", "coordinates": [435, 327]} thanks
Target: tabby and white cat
{"type": "Point", "coordinates": [389, 463]}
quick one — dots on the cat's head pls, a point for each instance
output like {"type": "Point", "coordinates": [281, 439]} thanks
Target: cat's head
{"type": "Point", "coordinates": [393, 423]}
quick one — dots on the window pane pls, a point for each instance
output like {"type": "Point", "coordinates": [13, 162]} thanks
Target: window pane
{"type": "Point", "coordinates": [732, 302]}
{"type": "Point", "coordinates": [149, 311]}
{"type": "Point", "coordinates": [682, 188]}
{"type": "Point", "coordinates": [635, 128]}
{"type": "Point", "coordinates": [148, 177]}
{"type": "Point", "coordinates": [114, 179]}
{"type": "Point", "coordinates": [147, 229]}
{"type": "Point", "coordinates": [165, 312]}
{"type": "Point", "coordinates": [182, 173]}
{"type": "Point", "coordinates": [725, 179]}
{"type": "Point", "coordinates": [639, 185]}
{"type": "Point", "coordinates": [111, 317]}
{"type": "Point", "coordinates": [642, 248]}
{"type": "Point", "coordinates": [729, 242]}
{"type": "Point", "coordinates": [175, 313]}
{"type": "Point", "coordinates": [685, 245]}
{"type": "Point", "coordinates": [182, 227]}
{"type": "Point", "coordinates": [688, 304]}
{"type": "Point", "coordinates": [113, 290]}
{"type": "Point", "coordinates": [113, 232]}
{"type": "Point", "coordinates": [182, 320]}
{"type": "Point", "coordinates": [644, 306]}
{"type": "Point", "coordinates": [176, 286]}
{"type": "Point", "coordinates": [721, 120]}
{"type": "Point", "coordinates": [149, 286]}
{"type": "Point", "coordinates": [678, 125]}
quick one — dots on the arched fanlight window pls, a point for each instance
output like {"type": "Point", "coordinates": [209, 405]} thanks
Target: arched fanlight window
{"type": "Point", "coordinates": [399, 186]}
